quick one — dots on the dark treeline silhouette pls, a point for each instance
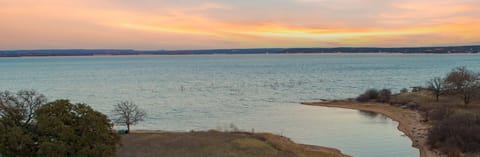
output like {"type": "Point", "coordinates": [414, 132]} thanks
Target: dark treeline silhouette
{"type": "Point", "coordinates": [91, 52]}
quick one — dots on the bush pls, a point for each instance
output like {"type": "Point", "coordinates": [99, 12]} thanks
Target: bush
{"type": "Point", "coordinates": [384, 95]}
{"type": "Point", "coordinates": [404, 90]}
{"type": "Point", "coordinates": [372, 93]}
{"type": "Point", "coordinates": [440, 113]}
{"type": "Point", "coordinates": [457, 132]}
{"type": "Point", "coordinates": [368, 95]}
{"type": "Point", "coordinates": [362, 98]}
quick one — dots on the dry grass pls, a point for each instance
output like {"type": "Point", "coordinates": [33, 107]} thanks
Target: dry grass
{"type": "Point", "coordinates": [426, 99]}
{"type": "Point", "coordinates": [447, 135]}
{"type": "Point", "coordinates": [216, 144]}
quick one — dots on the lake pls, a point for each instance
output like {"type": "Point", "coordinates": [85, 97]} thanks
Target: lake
{"type": "Point", "coordinates": [260, 92]}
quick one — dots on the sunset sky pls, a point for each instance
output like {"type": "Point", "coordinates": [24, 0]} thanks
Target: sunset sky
{"type": "Point", "coordinates": [205, 24]}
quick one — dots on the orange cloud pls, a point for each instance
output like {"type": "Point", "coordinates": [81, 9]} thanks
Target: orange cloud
{"type": "Point", "coordinates": [93, 24]}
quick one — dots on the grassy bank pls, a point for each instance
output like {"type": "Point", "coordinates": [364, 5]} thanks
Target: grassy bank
{"type": "Point", "coordinates": [216, 144]}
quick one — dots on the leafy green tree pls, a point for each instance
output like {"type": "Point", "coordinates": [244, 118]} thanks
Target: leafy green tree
{"type": "Point", "coordinates": [31, 127]}
{"type": "Point", "coordinates": [17, 111]}
{"type": "Point", "coordinates": [16, 142]}
{"type": "Point", "coordinates": [67, 129]}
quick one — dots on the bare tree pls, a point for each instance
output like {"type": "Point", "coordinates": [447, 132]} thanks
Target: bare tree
{"type": "Point", "coordinates": [436, 85]}
{"type": "Point", "coordinates": [463, 82]}
{"type": "Point", "coordinates": [127, 113]}
{"type": "Point", "coordinates": [21, 105]}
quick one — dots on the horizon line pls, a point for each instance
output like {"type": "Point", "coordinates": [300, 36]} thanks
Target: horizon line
{"type": "Point", "coordinates": [206, 49]}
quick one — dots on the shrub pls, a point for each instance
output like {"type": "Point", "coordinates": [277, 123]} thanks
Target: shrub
{"type": "Point", "coordinates": [384, 95]}
{"type": "Point", "coordinates": [372, 93]}
{"type": "Point", "coordinates": [368, 95]}
{"type": "Point", "coordinates": [440, 113]}
{"type": "Point", "coordinates": [362, 98]}
{"type": "Point", "coordinates": [457, 132]}
{"type": "Point", "coordinates": [404, 90]}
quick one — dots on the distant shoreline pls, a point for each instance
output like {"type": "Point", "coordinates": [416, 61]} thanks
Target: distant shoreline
{"type": "Point", "coordinates": [220, 54]}
{"type": "Point", "coordinates": [409, 121]}
{"type": "Point", "coordinates": [475, 49]}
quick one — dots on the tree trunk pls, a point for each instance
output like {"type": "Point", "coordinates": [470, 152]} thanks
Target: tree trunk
{"type": "Point", "coordinates": [466, 99]}
{"type": "Point", "coordinates": [427, 116]}
{"type": "Point", "coordinates": [128, 128]}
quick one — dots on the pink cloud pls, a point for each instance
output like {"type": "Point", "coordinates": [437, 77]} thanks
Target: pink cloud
{"type": "Point", "coordinates": [161, 24]}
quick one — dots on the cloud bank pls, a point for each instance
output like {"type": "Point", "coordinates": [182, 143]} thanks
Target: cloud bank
{"type": "Point", "coordinates": [201, 24]}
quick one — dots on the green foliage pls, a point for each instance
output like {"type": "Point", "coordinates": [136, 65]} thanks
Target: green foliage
{"type": "Point", "coordinates": [75, 128]}
{"type": "Point", "coordinates": [52, 149]}
{"type": "Point", "coordinates": [16, 142]}
{"type": "Point", "coordinates": [29, 127]}
{"type": "Point", "coordinates": [17, 110]}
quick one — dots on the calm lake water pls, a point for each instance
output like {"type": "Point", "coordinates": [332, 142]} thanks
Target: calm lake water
{"type": "Point", "coordinates": [251, 91]}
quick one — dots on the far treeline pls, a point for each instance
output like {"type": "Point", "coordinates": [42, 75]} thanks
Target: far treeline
{"type": "Point", "coordinates": [451, 104]}
{"type": "Point", "coordinates": [92, 52]}
{"type": "Point", "coordinates": [30, 126]}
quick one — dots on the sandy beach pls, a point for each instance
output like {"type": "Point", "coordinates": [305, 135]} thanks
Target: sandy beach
{"type": "Point", "coordinates": [410, 122]}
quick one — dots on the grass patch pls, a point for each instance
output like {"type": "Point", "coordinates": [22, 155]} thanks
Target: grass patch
{"type": "Point", "coordinates": [213, 144]}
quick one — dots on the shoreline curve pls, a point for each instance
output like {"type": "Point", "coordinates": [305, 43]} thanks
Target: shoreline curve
{"type": "Point", "coordinates": [409, 121]}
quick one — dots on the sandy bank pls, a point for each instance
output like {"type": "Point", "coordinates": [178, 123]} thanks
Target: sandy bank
{"type": "Point", "coordinates": [215, 143]}
{"type": "Point", "coordinates": [410, 122]}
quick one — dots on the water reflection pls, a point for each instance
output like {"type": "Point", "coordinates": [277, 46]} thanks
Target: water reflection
{"type": "Point", "coordinates": [374, 116]}
{"type": "Point", "coordinates": [368, 114]}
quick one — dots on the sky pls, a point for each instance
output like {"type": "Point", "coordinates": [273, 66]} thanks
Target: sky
{"type": "Point", "coordinates": [216, 24]}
